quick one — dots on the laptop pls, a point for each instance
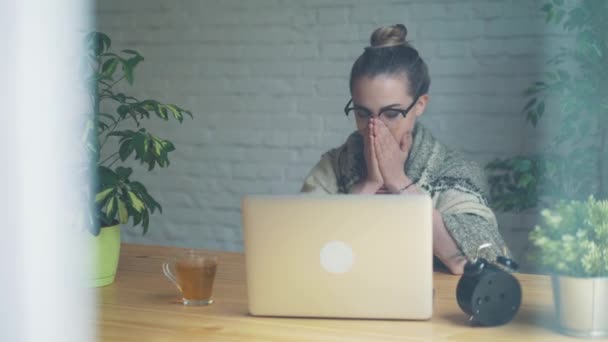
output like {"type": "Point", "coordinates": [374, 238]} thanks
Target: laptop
{"type": "Point", "coordinates": [339, 256]}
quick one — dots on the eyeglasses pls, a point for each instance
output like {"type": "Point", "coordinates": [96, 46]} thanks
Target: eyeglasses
{"type": "Point", "coordinates": [388, 112]}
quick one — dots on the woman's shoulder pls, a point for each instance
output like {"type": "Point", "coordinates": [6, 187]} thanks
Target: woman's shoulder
{"type": "Point", "coordinates": [447, 157]}
{"type": "Point", "coordinates": [449, 165]}
{"type": "Point", "coordinates": [338, 167]}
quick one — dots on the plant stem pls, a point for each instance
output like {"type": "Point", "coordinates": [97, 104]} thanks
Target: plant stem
{"type": "Point", "coordinates": [114, 161]}
{"type": "Point", "coordinates": [105, 160]}
{"type": "Point", "coordinates": [108, 134]}
{"type": "Point", "coordinates": [118, 80]}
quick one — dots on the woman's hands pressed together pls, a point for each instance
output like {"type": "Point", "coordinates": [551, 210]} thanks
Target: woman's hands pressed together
{"type": "Point", "coordinates": [391, 155]}
{"type": "Point", "coordinates": [374, 176]}
{"type": "Point", "coordinates": [385, 158]}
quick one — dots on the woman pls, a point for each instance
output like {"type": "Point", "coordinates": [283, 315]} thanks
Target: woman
{"type": "Point", "coordinates": [391, 153]}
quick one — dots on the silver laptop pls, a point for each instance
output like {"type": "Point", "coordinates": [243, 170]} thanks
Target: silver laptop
{"type": "Point", "coordinates": [339, 256]}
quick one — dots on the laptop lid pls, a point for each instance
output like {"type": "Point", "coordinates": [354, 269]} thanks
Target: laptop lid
{"type": "Point", "coordinates": [339, 256]}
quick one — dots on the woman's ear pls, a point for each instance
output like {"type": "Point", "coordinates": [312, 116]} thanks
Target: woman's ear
{"type": "Point", "coordinates": [421, 104]}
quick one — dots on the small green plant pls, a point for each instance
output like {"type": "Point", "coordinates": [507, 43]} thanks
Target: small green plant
{"type": "Point", "coordinates": [117, 196]}
{"type": "Point", "coordinates": [573, 239]}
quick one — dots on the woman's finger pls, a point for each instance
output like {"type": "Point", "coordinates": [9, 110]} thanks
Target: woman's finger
{"type": "Point", "coordinates": [380, 144]}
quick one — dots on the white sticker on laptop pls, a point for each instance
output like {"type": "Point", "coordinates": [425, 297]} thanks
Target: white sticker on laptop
{"type": "Point", "coordinates": [337, 257]}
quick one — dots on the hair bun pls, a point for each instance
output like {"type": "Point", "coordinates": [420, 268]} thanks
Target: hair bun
{"type": "Point", "coordinates": [388, 36]}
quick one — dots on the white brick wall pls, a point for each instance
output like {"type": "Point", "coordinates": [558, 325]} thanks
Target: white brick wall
{"type": "Point", "coordinates": [267, 79]}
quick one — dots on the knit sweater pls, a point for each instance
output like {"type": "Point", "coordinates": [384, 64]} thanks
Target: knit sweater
{"type": "Point", "coordinates": [457, 187]}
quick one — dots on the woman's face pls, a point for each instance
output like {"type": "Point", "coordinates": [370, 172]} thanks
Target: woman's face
{"type": "Point", "coordinates": [379, 94]}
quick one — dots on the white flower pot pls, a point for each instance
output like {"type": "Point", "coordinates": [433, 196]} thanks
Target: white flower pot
{"type": "Point", "coordinates": [581, 305]}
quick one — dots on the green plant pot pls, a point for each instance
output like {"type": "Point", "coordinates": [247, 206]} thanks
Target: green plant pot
{"type": "Point", "coordinates": [105, 250]}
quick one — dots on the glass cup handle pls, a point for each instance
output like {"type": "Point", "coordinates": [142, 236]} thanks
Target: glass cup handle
{"type": "Point", "coordinates": [168, 273]}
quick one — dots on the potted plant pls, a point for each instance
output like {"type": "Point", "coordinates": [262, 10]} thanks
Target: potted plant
{"type": "Point", "coordinates": [119, 198]}
{"type": "Point", "coordinates": [572, 244]}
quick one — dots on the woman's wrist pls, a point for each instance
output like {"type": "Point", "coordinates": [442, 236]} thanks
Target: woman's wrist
{"type": "Point", "coordinates": [400, 185]}
{"type": "Point", "coordinates": [366, 187]}
{"type": "Point", "coordinates": [445, 247]}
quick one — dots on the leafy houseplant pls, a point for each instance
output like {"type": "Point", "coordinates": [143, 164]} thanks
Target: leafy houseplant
{"type": "Point", "coordinates": [574, 96]}
{"type": "Point", "coordinates": [573, 239]}
{"type": "Point", "coordinates": [118, 197]}
{"type": "Point", "coordinates": [572, 243]}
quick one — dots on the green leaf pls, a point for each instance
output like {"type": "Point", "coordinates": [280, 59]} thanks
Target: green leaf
{"type": "Point", "coordinates": [133, 52]}
{"type": "Point", "coordinates": [146, 143]}
{"type": "Point", "coordinates": [111, 208]}
{"type": "Point", "coordinates": [163, 112]}
{"type": "Point", "coordinates": [143, 193]}
{"type": "Point", "coordinates": [126, 133]}
{"type": "Point", "coordinates": [133, 61]}
{"type": "Point", "coordinates": [547, 7]}
{"type": "Point", "coordinates": [137, 204]}
{"type": "Point", "coordinates": [102, 195]}
{"type": "Point", "coordinates": [106, 40]}
{"type": "Point", "coordinates": [124, 172]}
{"type": "Point", "coordinates": [136, 216]}
{"type": "Point", "coordinates": [137, 186]}
{"type": "Point", "coordinates": [533, 118]}
{"type": "Point", "coordinates": [145, 221]}
{"type": "Point", "coordinates": [128, 67]}
{"type": "Point", "coordinates": [98, 42]}
{"type": "Point", "coordinates": [540, 109]}
{"type": "Point", "coordinates": [133, 115]}
{"type": "Point", "coordinates": [157, 147]}
{"type": "Point", "coordinates": [109, 67]}
{"type": "Point", "coordinates": [107, 176]}
{"type": "Point", "coordinates": [530, 104]}
{"type": "Point", "coordinates": [102, 125]}
{"type": "Point", "coordinates": [125, 150]}
{"type": "Point", "coordinates": [176, 112]}
{"type": "Point", "coordinates": [122, 110]}
{"type": "Point", "coordinates": [144, 113]}
{"type": "Point", "coordinates": [128, 71]}
{"type": "Point", "coordinates": [120, 97]}
{"type": "Point", "coordinates": [149, 104]}
{"type": "Point", "coordinates": [168, 146]}
{"type": "Point", "coordinates": [123, 215]}
{"type": "Point", "coordinates": [138, 144]}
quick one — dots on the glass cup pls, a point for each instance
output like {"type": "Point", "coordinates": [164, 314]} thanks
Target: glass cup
{"type": "Point", "coordinates": [193, 273]}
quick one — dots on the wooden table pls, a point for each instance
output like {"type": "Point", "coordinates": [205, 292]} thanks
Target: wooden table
{"type": "Point", "coordinates": [143, 306]}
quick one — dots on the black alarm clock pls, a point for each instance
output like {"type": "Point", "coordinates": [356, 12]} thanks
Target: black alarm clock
{"type": "Point", "coordinates": [489, 293]}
